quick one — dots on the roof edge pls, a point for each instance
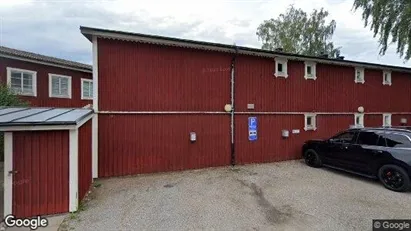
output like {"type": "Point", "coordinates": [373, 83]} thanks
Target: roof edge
{"type": "Point", "coordinates": [89, 32]}
{"type": "Point", "coordinates": [26, 56]}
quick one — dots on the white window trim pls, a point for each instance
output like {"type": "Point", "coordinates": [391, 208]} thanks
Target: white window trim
{"type": "Point", "coordinates": [362, 75]}
{"type": "Point", "coordinates": [82, 82]}
{"type": "Point", "coordinates": [313, 121]}
{"type": "Point", "coordinates": [68, 87]}
{"type": "Point", "coordinates": [284, 62]}
{"type": "Point", "coordinates": [313, 70]}
{"type": "Point", "coordinates": [361, 124]}
{"type": "Point", "coordinates": [34, 81]}
{"type": "Point", "coordinates": [389, 119]}
{"type": "Point", "coordinates": [389, 77]}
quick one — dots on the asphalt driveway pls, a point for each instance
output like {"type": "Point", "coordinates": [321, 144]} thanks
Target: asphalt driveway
{"type": "Point", "coordinates": [281, 196]}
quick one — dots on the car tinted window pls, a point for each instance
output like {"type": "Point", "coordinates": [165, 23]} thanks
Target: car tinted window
{"type": "Point", "coordinates": [381, 141]}
{"type": "Point", "coordinates": [397, 140]}
{"type": "Point", "coordinates": [346, 137]}
{"type": "Point", "coordinates": [367, 138]}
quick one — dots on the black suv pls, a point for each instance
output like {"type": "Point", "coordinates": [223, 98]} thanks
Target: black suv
{"type": "Point", "coordinates": [380, 153]}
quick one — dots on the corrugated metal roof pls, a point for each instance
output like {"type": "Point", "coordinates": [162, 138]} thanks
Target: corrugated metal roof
{"type": "Point", "coordinates": [19, 116]}
{"type": "Point", "coordinates": [88, 32]}
{"type": "Point", "coordinates": [7, 52]}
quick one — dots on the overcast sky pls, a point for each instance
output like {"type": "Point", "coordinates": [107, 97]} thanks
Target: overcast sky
{"type": "Point", "coordinates": [52, 27]}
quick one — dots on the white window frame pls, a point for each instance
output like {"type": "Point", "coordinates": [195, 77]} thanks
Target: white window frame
{"type": "Point", "coordinates": [284, 62]}
{"type": "Point", "coordinates": [82, 93]}
{"type": "Point", "coordinates": [361, 70]}
{"type": "Point", "coordinates": [313, 70]}
{"type": "Point", "coordinates": [389, 115]}
{"type": "Point", "coordinates": [51, 95]}
{"type": "Point", "coordinates": [313, 126]}
{"type": "Point", "coordinates": [389, 81]}
{"type": "Point", "coordinates": [34, 80]}
{"type": "Point", "coordinates": [361, 123]}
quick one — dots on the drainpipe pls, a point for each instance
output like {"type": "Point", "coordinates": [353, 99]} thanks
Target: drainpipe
{"type": "Point", "coordinates": [233, 61]}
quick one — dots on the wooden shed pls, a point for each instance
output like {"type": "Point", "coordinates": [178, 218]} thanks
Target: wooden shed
{"type": "Point", "coordinates": [48, 159]}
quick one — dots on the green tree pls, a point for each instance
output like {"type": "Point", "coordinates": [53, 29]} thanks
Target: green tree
{"type": "Point", "coordinates": [391, 21]}
{"type": "Point", "coordinates": [8, 98]}
{"type": "Point", "coordinates": [297, 32]}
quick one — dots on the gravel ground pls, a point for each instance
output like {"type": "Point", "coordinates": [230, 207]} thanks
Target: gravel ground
{"type": "Point", "coordinates": [278, 196]}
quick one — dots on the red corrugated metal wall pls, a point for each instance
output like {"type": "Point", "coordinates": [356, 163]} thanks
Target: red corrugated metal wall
{"type": "Point", "coordinates": [155, 78]}
{"type": "Point", "coordinates": [131, 144]}
{"type": "Point", "coordinates": [334, 90]}
{"type": "Point", "coordinates": [84, 159]}
{"type": "Point", "coordinates": [41, 185]}
{"type": "Point", "coordinates": [270, 146]}
{"type": "Point", "coordinates": [373, 120]}
{"type": "Point", "coordinates": [396, 119]}
{"type": "Point", "coordinates": [42, 99]}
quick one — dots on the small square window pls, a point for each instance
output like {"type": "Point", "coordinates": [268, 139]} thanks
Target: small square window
{"type": "Point", "coordinates": [281, 67]}
{"type": "Point", "coordinates": [386, 78]}
{"type": "Point", "coordinates": [59, 86]}
{"type": "Point", "coordinates": [386, 122]}
{"type": "Point", "coordinates": [22, 82]}
{"type": "Point", "coordinates": [359, 75]}
{"type": "Point", "coordinates": [359, 120]}
{"type": "Point", "coordinates": [310, 122]}
{"type": "Point", "coordinates": [310, 70]}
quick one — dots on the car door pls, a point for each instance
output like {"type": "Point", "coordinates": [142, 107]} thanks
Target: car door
{"type": "Point", "coordinates": [363, 152]}
{"type": "Point", "coordinates": [338, 146]}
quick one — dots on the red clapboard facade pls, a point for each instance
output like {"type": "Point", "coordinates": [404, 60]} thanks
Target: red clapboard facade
{"type": "Point", "coordinates": [39, 68]}
{"type": "Point", "coordinates": [155, 93]}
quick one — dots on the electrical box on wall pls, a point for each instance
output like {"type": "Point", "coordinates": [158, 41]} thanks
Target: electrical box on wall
{"type": "Point", "coordinates": [193, 137]}
{"type": "Point", "coordinates": [285, 133]}
{"type": "Point", "coordinates": [250, 106]}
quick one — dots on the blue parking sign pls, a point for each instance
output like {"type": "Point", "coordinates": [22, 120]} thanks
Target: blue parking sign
{"type": "Point", "coordinates": [252, 128]}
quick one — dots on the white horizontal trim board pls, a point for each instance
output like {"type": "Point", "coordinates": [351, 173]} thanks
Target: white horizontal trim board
{"type": "Point", "coordinates": [46, 127]}
{"type": "Point", "coordinates": [37, 128]}
{"type": "Point", "coordinates": [45, 63]}
{"type": "Point", "coordinates": [244, 113]}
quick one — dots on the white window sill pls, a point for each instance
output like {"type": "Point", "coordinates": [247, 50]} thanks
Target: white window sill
{"type": "Point", "coordinates": [87, 98]}
{"type": "Point", "coordinates": [280, 74]}
{"type": "Point", "coordinates": [310, 128]}
{"type": "Point", "coordinates": [310, 77]}
{"type": "Point", "coordinates": [386, 83]}
{"type": "Point", "coordinates": [25, 94]}
{"type": "Point", "coordinates": [60, 96]}
{"type": "Point", "coordinates": [359, 81]}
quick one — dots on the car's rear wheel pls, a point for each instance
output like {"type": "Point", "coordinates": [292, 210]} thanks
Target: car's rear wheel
{"type": "Point", "coordinates": [394, 178]}
{"type": "Point", "coordinates": [312, 158]}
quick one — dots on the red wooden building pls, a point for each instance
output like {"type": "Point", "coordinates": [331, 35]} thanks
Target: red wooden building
{"type": "Point", "coordinates": [48, 159]}
{"type": "Point", "coordinates": [45, 81]}
{"type": "Point", "coordinates": [167, 104]}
